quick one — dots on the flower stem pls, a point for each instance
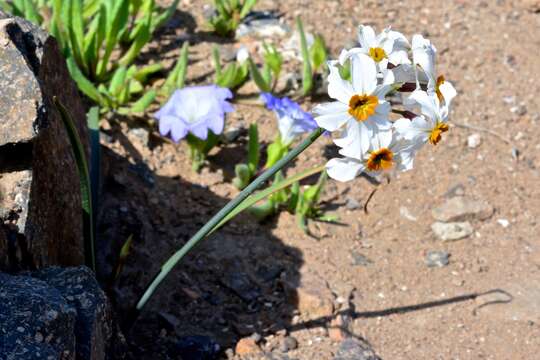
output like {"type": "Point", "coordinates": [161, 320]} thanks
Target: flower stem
{"type": "Point", "coordinates": [216, 219]}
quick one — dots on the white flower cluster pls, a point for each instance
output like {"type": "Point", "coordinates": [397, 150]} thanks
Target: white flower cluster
{"type": "Point", "coordinates": [360, 80]}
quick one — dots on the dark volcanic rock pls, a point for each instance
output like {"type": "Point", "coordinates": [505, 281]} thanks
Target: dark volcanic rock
{"type": "Point", "coordinates": [36, 322]}
{"type": "Point", "coordinates": [39, 183]}
{"type": "Point", "coordinates": [56, 313]}
{"type": "Point", "coordinates": [94, 328]}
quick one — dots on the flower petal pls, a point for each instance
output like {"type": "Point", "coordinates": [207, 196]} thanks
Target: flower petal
{"type": "Point", "coordinates": [364, 74]}
{"type": "Point", "coordinates": [338, 88]}
{"type": "Point", "coordinates": [331, 116]}
{"type": "Point", "coordinates": [366, 37]}
{"type": "Point", "coordinates": [344, 169]}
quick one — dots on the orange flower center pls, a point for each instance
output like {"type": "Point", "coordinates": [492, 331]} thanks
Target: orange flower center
{"type": "Point", "coordinates": [435, 135]}
{"type": "Point", "coordinates": [382, 159]}
{"type": "Point", "coordinates": [440, 81]}
{"type": "Point", "coordinates": [377, 54]}
{"type": "Point", "coordinates": [362, 106]}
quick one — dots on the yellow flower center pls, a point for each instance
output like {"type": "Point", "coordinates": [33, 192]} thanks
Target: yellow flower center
{"type": "Point", "coordinates": [377, 54]}
{"type": "Point", "coordinates": [440, 81]}
{"type": "Point", "coordinates": [435, 135]}
{"type": "Point", "coordinates": [363, 106]}
{"type": "Point", "coordinates": [382, 159]}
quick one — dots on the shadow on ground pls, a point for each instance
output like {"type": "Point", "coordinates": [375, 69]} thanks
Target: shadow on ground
{"type": "Point", "coordinates": [229, 287]}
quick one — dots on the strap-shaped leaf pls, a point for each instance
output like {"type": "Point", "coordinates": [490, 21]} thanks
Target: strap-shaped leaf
{"type": "Point", "coordinates": [84, 180]}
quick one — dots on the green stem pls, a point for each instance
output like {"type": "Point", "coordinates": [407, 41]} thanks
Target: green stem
{"type": "Point", "coordinates": [173, 260]}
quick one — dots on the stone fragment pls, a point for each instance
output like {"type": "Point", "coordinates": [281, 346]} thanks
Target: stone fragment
{"type": "Point", "coordinates": [39, 182]}
{"type": "Point", "coordinates": [354, 349]}
{"type": "Point", "coordinates": [247, 346]}
{"type": "Point", "coordinates": [461, 208]}
{"type": "Point", "coordinates": [287, 344]}
{"type": "Point", "coordinates": [474, 141]}
{"type": "Point", "coordinates": [452, 231]}
{"type": "Point", "coordinates": [312, 296]}
{"type": "Point", "coordinates": [340, 328]}
{"type": "Point", "coordinates": [437, 258]}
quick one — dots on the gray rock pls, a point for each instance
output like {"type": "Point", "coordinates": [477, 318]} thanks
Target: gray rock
{"type": "Point", "coordinates": [263, 25]}
{"type": "Point", "coordinates": [452, 231]}
{"type": "Point", "coordinates": [461, 208]}
{"type": "Point", "coordinates": [38, 175]}
{"type": "Point", "coordinates": [287, 344]}
{"type": "Point", "coordinates": [359, 259]}
{"type": "Point", "coordinates": [437, 258]}
{"type": "Point", "coordinates": [58, 312]}
{"type": "Point", "coordinates": [93, 327]}
{"type": "Point", "coordinates": [352, 204]}
{"type": "Point", "coordinates": [36, 322]}
{"type": "Point", "coordinates": [354, 349]}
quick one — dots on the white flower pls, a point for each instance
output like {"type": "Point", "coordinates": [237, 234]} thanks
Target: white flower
{"type": "Point", "coordinates": [430, 125]}
{"type": "Point", "coordinates": [385, 153]}
{"type": "Point", "coordinates": [424, 57]}
{"type": "Point", "coordinates": [360, 109]}
{"type": "Point", "coordinates": [387, 47]}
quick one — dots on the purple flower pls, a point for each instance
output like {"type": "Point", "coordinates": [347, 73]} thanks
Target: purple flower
{"type": "Point", "coordinates": [292, 120]}
{"type": "Point", "coordinates": [194, 110]}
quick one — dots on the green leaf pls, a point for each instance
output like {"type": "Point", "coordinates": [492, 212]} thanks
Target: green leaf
{"type": "Point", "coordinates": [257, 77]}
{"type": "Point", "coordinates": [243, 175]}
{"type": "Point", "coordinates": [75, 27]}
{"type": "Point", "coordinates": [147, 71]}
{"type": "Point", "coordinates": [307, 73]}
{"type": "Point", "coordinates": [246, 8]}
{"type": "Point", "coordinates": [117, 14]}
{"type": "Point", "coordinates": [84, 182]}
{"type": "Point", "coordinates": [273, 59]}
{"type": "Point", "coordinates": [253, 148]}
{"type": "Point", "coordinates": [118, 81]}
{"type": "Point", "coordinates": [274, 152]}
{"type": "Point", "coordinates": [95, 156]}
{"type": "Point", "coordinates": [255, 198]}
{"type": "Point", "coordinates": [144, 102]}
{"type": "Point", "coordinates": [217, 61]}
{"type": "Point", "coordinates": [122, 257]}
{"type": "Point", "coordinates": [82, 82]}
{"type": "Point", "coordinates": [164, 16]}
{"type": "Point", "coordinates": [142, 38]}
{"type": "Point", "coordinates": [318, 52]}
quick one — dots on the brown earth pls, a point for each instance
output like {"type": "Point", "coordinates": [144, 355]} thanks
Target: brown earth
{"type": "Point", "coordinates": [370, 268]}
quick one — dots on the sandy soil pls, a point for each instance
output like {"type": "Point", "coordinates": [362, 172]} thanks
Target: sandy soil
{"type": "Point", "coordinates": [240, 281]}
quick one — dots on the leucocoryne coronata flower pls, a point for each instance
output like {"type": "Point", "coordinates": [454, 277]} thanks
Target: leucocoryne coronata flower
{"type": "Point", "coordinates": [195, 110]}
{"type": "Point", "coordinates": [292, 120]}
{"type": "Point", "coordinates": [369, 139]}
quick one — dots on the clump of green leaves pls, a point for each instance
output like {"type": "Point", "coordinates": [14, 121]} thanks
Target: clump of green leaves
{"type": "Point", "coordinates": [101, 39]}
{"type": "Point", "coordinates": [233, 75]}
{"type": "Point", "coordinates": [245, 172]}
{"type": "Point", "coordinates": [266, 78]}
{"type": "Point", "coordinates": [229, 14]}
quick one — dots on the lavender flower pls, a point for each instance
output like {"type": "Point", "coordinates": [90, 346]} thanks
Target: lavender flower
{"type": "Point", "coordinates": [194, 110]}
{"type": "Point", "coordinates": [292, 120]}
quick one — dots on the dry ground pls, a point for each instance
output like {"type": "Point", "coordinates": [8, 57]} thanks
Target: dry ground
{"type": "Point", "coordinates": [404, 309]}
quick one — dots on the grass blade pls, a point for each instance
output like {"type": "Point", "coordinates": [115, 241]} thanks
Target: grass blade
{"type": "Point", "coordinates": [307, 73]}
{"type": "Point", "coordinates": [84, 179]}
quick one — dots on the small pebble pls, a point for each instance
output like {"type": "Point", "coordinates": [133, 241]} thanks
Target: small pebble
{"type": "Point", "coordinates": [437, 258]}
{"type": "Point", "coordinates": [474, 141]}
{"type": "Point", "coordinates": [352, 204]}
{"type": "Point", "coordinates": [287, 344]}
{"type": "Point", "coordinates": [504, 223]}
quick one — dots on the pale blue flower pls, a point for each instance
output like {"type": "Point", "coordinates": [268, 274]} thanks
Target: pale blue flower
{"type": "Point", "coordinates": [292, 120]}
{"type": "Point", "coordinates": [194, 110]}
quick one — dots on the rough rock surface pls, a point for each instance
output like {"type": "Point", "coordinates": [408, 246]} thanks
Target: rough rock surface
{"type": "Point", "coordinates": [461, 208]}
{"type": "Point", "coordinates": [38, 175]}
{"type": "Point", "coordinates": [452, 231]}
{"type": "Point", "coordinates": [56, 313]}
